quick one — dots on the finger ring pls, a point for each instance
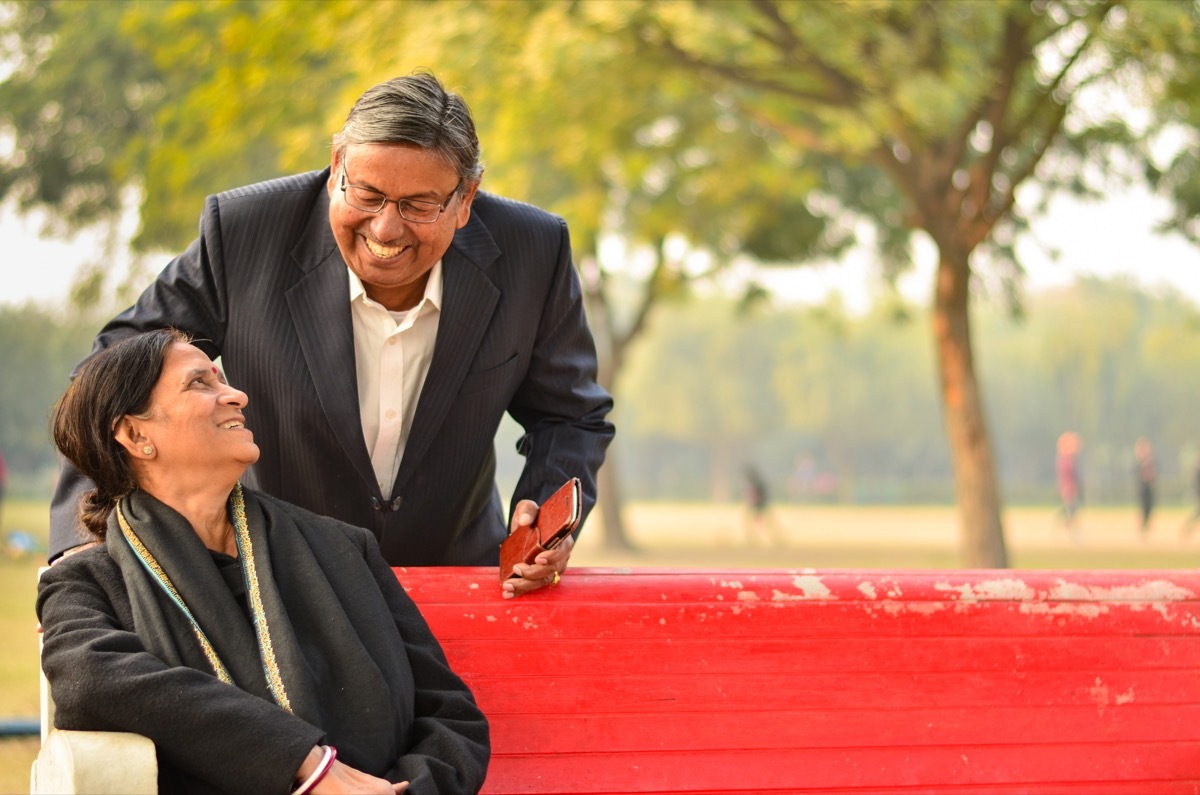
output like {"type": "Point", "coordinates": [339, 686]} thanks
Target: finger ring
{"type": "Point", "coordinates": [554, 581]}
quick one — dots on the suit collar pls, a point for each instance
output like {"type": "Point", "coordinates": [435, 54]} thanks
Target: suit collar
{"type": "Point", "coordinates": [320, 307]}
{"type": "Point", "coordinates": [319, 302]}
{"type": "Point", "coordinates": [468, 301]}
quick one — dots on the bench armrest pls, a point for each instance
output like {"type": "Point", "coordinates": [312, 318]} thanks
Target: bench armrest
{"type": "Point", "coordinates": [97, 763]}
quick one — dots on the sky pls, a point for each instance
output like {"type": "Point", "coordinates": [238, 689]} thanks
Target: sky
{"type": "Point", "coordinates": [1108, 238]}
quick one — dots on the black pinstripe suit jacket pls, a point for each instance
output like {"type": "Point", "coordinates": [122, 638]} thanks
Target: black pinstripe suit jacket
{"type": "Point", "coordinates": [265, 287]}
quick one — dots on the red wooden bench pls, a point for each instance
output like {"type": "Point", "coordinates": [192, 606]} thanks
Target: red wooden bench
{"type": "Point", "coordinates": [657, 681]}
{"type": "Point", "coordinates": [688, 681]}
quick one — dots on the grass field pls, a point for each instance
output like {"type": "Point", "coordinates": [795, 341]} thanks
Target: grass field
{"type": "Point", "coordinates": [689, 535]}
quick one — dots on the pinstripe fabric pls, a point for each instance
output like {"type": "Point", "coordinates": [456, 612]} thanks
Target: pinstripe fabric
{"type": "Point", "coordinates": [265, 287]}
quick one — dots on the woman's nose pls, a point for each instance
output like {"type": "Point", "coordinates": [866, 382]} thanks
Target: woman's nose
{"type": "Point", "coordinates": [235, 397]}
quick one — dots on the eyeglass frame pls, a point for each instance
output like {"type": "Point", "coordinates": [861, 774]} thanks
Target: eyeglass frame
{"type": "Point", "coordinates": [442, 206]}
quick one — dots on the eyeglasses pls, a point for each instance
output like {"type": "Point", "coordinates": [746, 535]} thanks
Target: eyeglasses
{"type": "Point", "coordinates": [370, 200]}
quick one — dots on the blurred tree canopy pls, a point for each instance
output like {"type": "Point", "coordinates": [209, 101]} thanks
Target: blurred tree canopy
{"type": "Point", "coordinates": [712, 388]}
{"type": "Point", "coordinates": [1102, 358]}
{"type": "Point", "coordinates": [699, 134]}
{"type": "Point", "coordinates": [947, 110]}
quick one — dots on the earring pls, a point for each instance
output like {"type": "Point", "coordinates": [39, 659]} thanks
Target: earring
{"type": "Point", "coordinates": [148, 449]}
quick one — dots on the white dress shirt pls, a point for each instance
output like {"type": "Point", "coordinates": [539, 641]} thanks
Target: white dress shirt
{"type": "Point", "coordinates": [392, 352]}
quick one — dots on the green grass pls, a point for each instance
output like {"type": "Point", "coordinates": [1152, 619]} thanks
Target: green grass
{"type": "Point", "coordinates": [18, 627]}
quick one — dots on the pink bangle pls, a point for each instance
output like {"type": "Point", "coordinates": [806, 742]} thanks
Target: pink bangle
{"type": "Point", "coordinates": [318, 774]}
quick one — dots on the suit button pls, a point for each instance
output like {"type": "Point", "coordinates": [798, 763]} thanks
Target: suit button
{"type": "Point", "coordinates": [377, 503]}
{"type": "Point", "coordinates": [396, 503]}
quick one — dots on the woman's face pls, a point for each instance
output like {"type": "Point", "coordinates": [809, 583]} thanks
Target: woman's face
{"type": "Point", "coordinates": [195, 419]}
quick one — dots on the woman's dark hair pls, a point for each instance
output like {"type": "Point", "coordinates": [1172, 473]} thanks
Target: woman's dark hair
{"type": "Point", "coordinates": [114, 382]}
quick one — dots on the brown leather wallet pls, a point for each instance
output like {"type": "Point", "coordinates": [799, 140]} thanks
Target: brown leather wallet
{"type": "Point", "coordinates": [557, 518]}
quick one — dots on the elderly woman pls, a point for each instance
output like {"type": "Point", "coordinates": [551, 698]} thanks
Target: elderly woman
{"type": "Point", "coordinates": [263, 648]}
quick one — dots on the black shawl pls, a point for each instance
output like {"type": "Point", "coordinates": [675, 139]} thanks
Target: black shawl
{"type": "Point", "coordinates": [334, 641]}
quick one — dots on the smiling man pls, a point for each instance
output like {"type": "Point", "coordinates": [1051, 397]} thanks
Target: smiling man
{"type": "Point", "coordinates": [383, 315]}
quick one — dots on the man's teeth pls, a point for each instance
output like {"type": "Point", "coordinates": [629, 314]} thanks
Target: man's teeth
{"type": "Point", "coordinates": [382, 251]}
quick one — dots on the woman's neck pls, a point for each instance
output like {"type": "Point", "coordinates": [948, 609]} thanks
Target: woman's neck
{"type": "Point", "coordinates": [203, 505]}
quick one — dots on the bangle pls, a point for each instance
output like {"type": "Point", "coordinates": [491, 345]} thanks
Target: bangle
{"type": "Point", "coordinates": [318, 774]}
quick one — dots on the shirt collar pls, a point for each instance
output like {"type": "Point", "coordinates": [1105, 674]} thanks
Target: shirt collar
{"type": "Point", "coordinates": [433, 288]}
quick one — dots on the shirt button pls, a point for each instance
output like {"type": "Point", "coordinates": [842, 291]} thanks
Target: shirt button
{"type": "Point", "coordinates": [391, 414]}
{"type": "Point", "coordinates": [391, 340]}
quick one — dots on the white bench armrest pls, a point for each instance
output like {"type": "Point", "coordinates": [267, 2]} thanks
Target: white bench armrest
{"type": "Point", "coordinates": [97, 763]}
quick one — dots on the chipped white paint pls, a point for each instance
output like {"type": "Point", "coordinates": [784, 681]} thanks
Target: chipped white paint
{"type": "Point", "coordinates": [901, 608]}
{"type": "Point", "coordinates": [867, 590]}
{"type": "Point", "coordinates": [1153, 591]}
{"type": "Point", "coordinates": [490, 618]}
{"type": "Point", "coordinates": [731, 584]}
{"type": "Point", "coordinates": [812, 587]}
{"type": "Point", "coordinates": [1080, 609]}
{"type": "Point", "coordinates": [1102, 695]}
{"type": "Point", "coordinates": [780, 596]}
{"type": "Point", "coordinates": [747, 596]}
{"type": "Point", "coordinates": [1008, 590]}
{"type": "Point", "coordinates": [474, 586]}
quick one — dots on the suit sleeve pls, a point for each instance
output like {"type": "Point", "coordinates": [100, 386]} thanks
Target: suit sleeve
{"type": "Point", "coordinates": [560, 404]}
{"type": "Point", "coordinates": [449, 744]}
{"type": "Point", "coordinates": [103, 679]}
{"type": "Point", "coordinates": [189, 295]}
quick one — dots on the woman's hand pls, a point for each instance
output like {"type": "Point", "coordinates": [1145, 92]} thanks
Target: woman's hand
{"type": "Point", "coordinates": [342, 779]}
{"type": "Point", "coordinates": [345, 780]}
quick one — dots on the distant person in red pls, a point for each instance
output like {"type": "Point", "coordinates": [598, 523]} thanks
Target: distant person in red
{"type": "Point", "coordinates": [1069, 491]}
{"type": "Point", "coordinates": [1143, 455]}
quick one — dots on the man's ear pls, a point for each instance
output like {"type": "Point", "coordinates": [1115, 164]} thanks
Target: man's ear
{"type": "Point", "coordinates": [129, 434]}
{"type": "Point", "coordinates": [463, 213]}
{"type": "Point", "coordinates": [335, 166]}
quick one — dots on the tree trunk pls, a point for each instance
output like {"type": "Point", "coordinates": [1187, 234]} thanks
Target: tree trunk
{"type": "Point", "coordinates": [609, 499]}
{"type": "Point", "coordinates": [608, 490]}
{"type": "Point", "coordinates": [966, 427]}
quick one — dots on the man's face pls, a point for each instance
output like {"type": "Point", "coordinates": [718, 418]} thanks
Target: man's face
{"type": "Point", "coordinates": [393, 256]}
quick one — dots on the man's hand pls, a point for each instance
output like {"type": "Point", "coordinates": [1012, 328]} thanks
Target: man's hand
{"type": "Point", "coordinates": [548, 566]}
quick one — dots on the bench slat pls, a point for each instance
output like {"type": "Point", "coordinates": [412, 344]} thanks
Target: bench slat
{"type": "Point", "coordinates": [798, 681]}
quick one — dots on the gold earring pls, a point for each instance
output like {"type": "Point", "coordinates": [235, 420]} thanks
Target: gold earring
{"type": "Point", "coordinates": [148, 449]}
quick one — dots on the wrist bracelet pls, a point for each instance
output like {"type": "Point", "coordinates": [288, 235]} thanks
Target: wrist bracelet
{"type": "Point", "coordinates": [318, 774]}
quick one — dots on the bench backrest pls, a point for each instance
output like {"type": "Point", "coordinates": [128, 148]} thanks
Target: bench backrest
{"type": "Point", "coordinates": [760, 681]}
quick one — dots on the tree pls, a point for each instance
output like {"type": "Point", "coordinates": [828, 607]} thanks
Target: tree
{"type": "Point", "coordinates": [946, 109]}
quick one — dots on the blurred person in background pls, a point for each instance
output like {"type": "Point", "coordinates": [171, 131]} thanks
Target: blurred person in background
{"type": "Point", "coordinates": [1070, 491]}
{"type": "Point", "coordinates": [3, 485]}
{"type": "Point", "coordinates": [261, 647]}
{"type": "Point", "coordinates": [1189, 524]}
{"type": "Point", "coordinates": [1145, 474]}
{"type": "Point", "coordinates": [386, 314]}
{"type": "Point", "coordinates": [758, 520]}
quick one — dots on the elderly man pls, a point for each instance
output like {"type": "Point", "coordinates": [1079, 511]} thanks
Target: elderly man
{"type": "Point", "coordinates": [383, 314]}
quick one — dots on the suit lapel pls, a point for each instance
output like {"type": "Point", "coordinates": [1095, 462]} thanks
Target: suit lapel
{"type": "Point", "coordinates": [320, 307]}
{"type": "Point", "coordinates": [468, 299]}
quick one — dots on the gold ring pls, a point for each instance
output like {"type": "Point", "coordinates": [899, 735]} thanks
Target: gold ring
{"type": "Point", "coordinates": [554, 581]}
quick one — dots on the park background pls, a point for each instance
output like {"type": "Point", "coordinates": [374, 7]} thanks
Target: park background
{"type": "Point", "coordinates": [810, 234]}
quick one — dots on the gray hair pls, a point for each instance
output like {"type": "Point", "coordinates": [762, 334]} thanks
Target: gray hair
{"type": "Point", "coordinates": [415, 109]}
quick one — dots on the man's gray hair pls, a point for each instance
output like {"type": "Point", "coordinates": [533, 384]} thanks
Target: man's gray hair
{"type": "Point", "coordinates": [415, 109]}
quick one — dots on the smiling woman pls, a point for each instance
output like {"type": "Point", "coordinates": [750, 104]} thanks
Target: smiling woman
{"type": "Point", "coordinates": [197, 584]}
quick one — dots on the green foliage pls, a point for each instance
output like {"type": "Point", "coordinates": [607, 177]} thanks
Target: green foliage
{"type": "Point", "coordinates": [38, 350]}
{"type": "Point", "coordinates": [710, 390]}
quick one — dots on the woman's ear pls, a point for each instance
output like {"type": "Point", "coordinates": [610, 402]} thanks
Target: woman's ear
{"type": "Point", "coordinates": [129, 435]}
